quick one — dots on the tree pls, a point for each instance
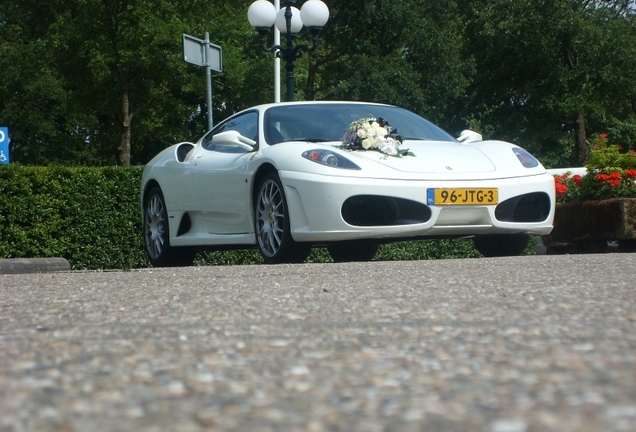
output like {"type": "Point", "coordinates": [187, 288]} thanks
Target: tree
{"type": "Point", "coordinates": [33, 100]}
{"type": "Point", "coordinates": [92, 72]}
{"type": "Point", "coordinates": [125, 52]}
{"type": "Point", "coordinates": [102, 82]}
{"type": "Point", "coordinates": [407, 53]}
{"type": "Point", "coordinates": [548, 71]}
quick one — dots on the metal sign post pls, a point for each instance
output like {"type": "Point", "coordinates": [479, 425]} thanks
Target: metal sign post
{"type": "Point", "coordinates": [203, 53]}
{"type": "Point", "coordinates": [4, 146]}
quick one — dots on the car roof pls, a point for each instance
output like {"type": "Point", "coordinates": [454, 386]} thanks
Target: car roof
{"type": "Point", "coordinates": [329, 102]}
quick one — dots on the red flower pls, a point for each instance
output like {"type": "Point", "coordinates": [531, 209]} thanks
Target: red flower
{"type": "Point", "coordinates": [561, 189]}
{"type": "Point", "coordinates": [577, 179]}
{"type": "Point", "coordinates": [613, 179]}
{"type": "Point", "coordinates": [602, 136]}
{"type": "Point", "coordinates": [631, 173]}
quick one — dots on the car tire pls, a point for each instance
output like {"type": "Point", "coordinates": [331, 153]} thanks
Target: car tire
{"type": "Point", "coordinates": [157, 234]}
{"type": "Point", "coordinates": [353, 250]}
{"type": "Point", "coordinates": [501, 244]}
{"type": "Point", "coordinates": [272, 225]}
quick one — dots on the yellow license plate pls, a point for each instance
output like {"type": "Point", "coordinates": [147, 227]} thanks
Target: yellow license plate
{"type": "Point", "coordinates": [462, 196]}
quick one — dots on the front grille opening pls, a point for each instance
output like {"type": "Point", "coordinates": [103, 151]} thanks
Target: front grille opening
{"type": "Point", "coordinates": [376, 210]}
{"type": "Point", "coordinates": [532, 207]}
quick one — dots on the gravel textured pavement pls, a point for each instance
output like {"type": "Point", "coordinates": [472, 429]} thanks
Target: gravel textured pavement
{"type": "Point", "coordinates": [524, 344]}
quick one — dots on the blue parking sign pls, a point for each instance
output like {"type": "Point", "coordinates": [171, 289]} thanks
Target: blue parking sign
{"type": "Point", "coordinates": [4, 145]}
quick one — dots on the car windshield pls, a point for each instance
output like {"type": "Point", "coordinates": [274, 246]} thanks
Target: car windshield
{"type": "Point", "coordinates": [329, 122]}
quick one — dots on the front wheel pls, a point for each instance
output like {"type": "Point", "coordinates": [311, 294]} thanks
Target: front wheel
{"type": "Point", "coordinates": [272, 226]}
{"type": "Point", "coordinates": [157, 234]}
{"type": "Point", "coordinates": [499, 245]}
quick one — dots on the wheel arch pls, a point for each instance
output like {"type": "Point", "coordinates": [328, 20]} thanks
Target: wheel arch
{"type": "Point", "coordinates": [261, 172]}
{"type": "Point", "coordinates": [156, 231]}
{"type": "Point", "coordinates": [150, 184]}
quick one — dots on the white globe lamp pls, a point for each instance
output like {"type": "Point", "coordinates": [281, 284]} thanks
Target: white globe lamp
{"type": "Point", "coordinates": [261, 14]}
{"type": "Point", "coordinates": [296, 21]}
{"type": "Point", "coordinates": [314, 13]}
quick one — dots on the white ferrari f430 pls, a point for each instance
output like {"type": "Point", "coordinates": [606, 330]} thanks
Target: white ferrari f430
{"type": "Point", "coordinates": [344, 175]}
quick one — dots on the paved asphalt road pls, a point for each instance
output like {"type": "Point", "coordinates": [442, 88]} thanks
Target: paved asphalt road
{"type": "Point", "coordinates": [543, 343]}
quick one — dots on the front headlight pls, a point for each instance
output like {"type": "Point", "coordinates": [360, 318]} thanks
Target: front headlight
{"type": "Point", "coordinates": [329, 158]}
{"type": "Point", "coordinates": [526, 159]}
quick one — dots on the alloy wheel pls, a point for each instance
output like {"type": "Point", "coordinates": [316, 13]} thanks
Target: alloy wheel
{"type": "Point", "coordinates": [270, 218]}
{"type": "Point", "coordinates": [155, 222]}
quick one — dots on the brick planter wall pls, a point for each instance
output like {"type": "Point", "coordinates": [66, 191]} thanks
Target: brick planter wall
{"type": "Point", "coordinates": [589, 221]}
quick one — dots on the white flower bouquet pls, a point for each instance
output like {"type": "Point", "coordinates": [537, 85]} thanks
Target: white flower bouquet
{"type": "Point", "coordinates": [372, 133]}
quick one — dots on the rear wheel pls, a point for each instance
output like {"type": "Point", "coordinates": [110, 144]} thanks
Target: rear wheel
{"type": "Point", "coordinates": [353, 250]}
{"type": "Point", "coordinates": [500, 245]}
{"type": "Point", "coordinates": [157, 234]}
{"type": "Point", "coordinates": [272, 226]}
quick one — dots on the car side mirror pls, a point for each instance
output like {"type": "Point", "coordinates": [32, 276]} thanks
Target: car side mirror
{"type": "Point", "coordinates": [232, 138]}
{"type": "Point", "coordinates": [469, 136]}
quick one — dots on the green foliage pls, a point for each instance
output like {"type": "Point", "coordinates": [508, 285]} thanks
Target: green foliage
{"type": "Point", "coordinates": [90, 216]}
{"type": "Point", "coordinates": [568, 187]}
{"type": "Point", "coordinates": [399, 251]}
{"type": "Point", "coordinates": [518, 70]}
{"type": "Point", "coordinates": [427, 249]}
{"type": "Point", "coordinates": [611, 174]}
{"type": "Point", "coordinates": [606, 156]}
{"type": "Point", "coordinates": [541, 64]}
{"type": "Point", "coordinates": [230, 257]}
{"type": "Point", "coordinates": [611, 183]}
{"type": "Point", "coordinates": [368, 53]}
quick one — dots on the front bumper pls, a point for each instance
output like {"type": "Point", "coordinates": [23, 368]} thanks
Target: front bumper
{"type": "Point", "coordinates": [315, 207]}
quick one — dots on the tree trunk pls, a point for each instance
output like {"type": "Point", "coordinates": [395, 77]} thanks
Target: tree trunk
{"type": "Point", "coordinates": [582, 145]}
{"type": "Point", "coordinates": [310, 90]}
{"type": "Point", "coordinates": [123, 156]}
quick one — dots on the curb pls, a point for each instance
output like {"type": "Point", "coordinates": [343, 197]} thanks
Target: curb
{"type": "Point", "coordinates": [33, 265]}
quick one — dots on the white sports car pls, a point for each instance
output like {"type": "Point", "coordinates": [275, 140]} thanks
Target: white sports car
{"type": "Point", "coordinates": [345, 175]}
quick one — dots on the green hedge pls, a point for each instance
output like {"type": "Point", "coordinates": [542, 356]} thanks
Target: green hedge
{"type": "Point", "coordinates": [91, 217]}
{"type": "Point", "coordinates": [401, 251]}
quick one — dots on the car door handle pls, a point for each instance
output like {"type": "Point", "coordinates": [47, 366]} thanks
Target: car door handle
{"type": "Point", "coordinates": [200, 155]}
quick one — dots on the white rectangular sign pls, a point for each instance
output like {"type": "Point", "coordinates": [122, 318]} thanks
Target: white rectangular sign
{"type": "Point", "coordinates": [194, 51]}
{"type": "Point", "coordinates": [215, 57]}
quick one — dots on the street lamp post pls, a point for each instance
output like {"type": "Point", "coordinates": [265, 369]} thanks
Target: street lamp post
{"type": "Point", "coordinates": [314, 14]}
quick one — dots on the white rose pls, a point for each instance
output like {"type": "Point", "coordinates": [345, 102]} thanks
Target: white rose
{"type": "Point", "coordinates": [379, 130]}
{"type": "Point", "coordinates": [366, 144]}
{"type": "Point", "coordinates": [383, 147]}
{"type": "Point", "coordinates": [389, 147]}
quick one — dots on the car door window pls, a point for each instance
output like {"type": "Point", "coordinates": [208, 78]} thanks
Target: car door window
{"type": "Point", "coordinates": [246, 124]}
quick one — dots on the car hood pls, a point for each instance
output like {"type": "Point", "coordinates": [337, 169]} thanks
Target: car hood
{"type": "Point", "coordinates": [435, 157]}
